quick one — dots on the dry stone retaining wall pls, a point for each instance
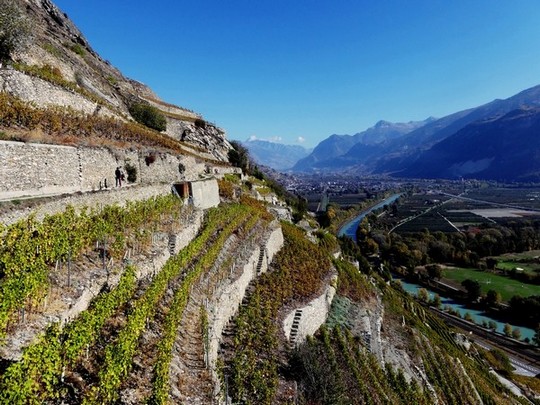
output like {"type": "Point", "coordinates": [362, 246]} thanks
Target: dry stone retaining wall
{"type": "Point", "coordinates": [43, 93]}
{"type": "Point", "coordinates": [314, 314]}
{"type": "Point", "coordinates": [37, 169]}
{"type": "Point", "coordinates": [100, 198]}
{"type": "Point", "coordinates": [30, 169]}
{"type": "Point", "coordinates": [230, 296]}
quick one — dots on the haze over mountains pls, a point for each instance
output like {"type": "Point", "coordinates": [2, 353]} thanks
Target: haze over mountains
{"type": "Point", "coordinates": [498, 140]}
{"type": "Point", "coordinates": [275, 155]}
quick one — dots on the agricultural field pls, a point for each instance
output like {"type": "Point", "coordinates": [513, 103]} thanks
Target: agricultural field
{"type": "Point", "coordinates": [519, 197]}
{"type": "Point", "coordinates": [347, 200]}
{"type": "Point", "coordinates": [509, 265]}
{"type": "Point", "coordinates": [440, 212]}
{"type": "Point", "coordinates": [489, 281]}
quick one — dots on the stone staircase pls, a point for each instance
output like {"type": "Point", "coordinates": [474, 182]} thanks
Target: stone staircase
{"type": "Point", "coordinates": [262, 254]}
{"type": "Point", "coordinates": [172, 244]}
{"type": "Point", "coordinates": [294, 328]}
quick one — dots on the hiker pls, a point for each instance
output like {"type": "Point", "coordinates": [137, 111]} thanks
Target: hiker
{"type": "Point", "coordinates": [118, 176]}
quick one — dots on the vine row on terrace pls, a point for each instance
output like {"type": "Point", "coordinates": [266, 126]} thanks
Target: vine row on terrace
{"type": "Point", "coordinates": [30, 249]}
{"type": "Point", "coordinates": [299, 269]}
{"type": "Point", "coordinates": [36, 377]}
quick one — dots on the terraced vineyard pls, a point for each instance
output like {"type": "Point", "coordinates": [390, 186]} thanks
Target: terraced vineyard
{"type": "Point", "coordinates": [91, 358]}
{"type": "Point", "coordinates": [336, 368]}
{"type": "Point", "coordinates": [31, 250]}
{"type": "Point", "coordinates": [251, 357]}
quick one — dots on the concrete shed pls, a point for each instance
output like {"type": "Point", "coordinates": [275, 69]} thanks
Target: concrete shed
{"type": "Point", "coordinates": [202, 193]}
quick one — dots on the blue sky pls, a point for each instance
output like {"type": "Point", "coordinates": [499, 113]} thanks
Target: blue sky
{"type": "Point", "coordinates": [298, 70]}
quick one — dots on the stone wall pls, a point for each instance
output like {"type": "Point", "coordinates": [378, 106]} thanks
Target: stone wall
{"type": "Point", "coordinates": [43, 93]}
{"type": "Point", "coordinates": [314, 314]}
{"type": "Point", "coordinates": [39, 170]}
{"type": "Point", "coordinates": [231, 294]}
{"type": "Point", "coordinates": [92, 199]}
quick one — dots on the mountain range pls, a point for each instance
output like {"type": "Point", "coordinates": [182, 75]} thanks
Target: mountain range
{"type": "Point", "coordinates": [473, 142]}
{"type": "Point", "coordinates": [275, 155]}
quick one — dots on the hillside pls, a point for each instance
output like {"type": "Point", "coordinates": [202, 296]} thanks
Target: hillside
{"type": "Point", "coordinates": [198, 293]}
{"type": "Point", "coordinates": [505, 149]}
{"type": "Point", "coordinates": [397, 155]}
{"type": "Point", "coordinates": [59, 68]}
{"type": "Point", "coordinates": [157, 303]}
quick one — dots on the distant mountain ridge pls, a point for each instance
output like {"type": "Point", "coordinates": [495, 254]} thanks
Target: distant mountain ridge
{"type": "Point", "coordinates": [505, 148]}
{"type": "Point", "coordinates": [408, 155]}
{"type": "Point", "coordinates": [336, 146]}
{"type": "Point", "coordinates": [275, 155]}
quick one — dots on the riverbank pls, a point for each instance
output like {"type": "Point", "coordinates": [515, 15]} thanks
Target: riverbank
{"type": "Point", "coordinates": [459, 307]}
{"type": "Point", "coordinates": [349, 229]}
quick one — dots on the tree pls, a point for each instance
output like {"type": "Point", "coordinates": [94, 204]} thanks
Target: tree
{"type": "Point", "coordinates": [516, 333]}
{"type": "Point", "coordinates": [536, 337]}
{"type": "Point", "coordinates": [15, 29]}
{"type": "Point", "coordinates": [493, 298]}
{"type": "Point", "coordinates": [501, 360]}
{"type": "Point", "coordinates": [473, 289]}
{"type": "Point", "coordinates": [434, 271]}
{"type": "Point", "coordinates": [239, 156]}
{"type": "Point", "coordinates": [423, 295]}
{"type": "Point", "coordinates": [491, 263]}
{"type": "Point", "coordinates": [507, 329]}
{"type": "Point", "coordinates": [436, 301]}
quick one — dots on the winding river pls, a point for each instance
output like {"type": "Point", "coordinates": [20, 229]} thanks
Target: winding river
{"type": "Point", "coordinates": [477, 316]}
{"type": "Point", "coordinates": [349, 229]}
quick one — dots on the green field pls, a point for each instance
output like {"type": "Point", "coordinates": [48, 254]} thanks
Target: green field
{"type": "Point", "coordinates": [489, 281]}
{"type": "Point", "coordinates": [531, 268]}
{"type": "Point", "coordinates": [528, 261]}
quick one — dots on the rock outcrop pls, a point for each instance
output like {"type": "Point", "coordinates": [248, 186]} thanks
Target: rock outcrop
{"type": "Point", "coordinates": [85, 82]}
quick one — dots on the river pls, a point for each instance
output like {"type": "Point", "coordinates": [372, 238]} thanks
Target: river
{"type": "Point", "coordinates": [349, 229]}
{"type": "Point", "coordinates": [477, 316]}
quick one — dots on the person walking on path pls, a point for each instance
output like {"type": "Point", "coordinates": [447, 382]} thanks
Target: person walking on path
{"type": "Point", "coordinates": [118, 176]}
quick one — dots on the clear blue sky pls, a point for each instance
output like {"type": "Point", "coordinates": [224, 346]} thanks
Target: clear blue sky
{"type": "Point", "coordinates": [306, 69]}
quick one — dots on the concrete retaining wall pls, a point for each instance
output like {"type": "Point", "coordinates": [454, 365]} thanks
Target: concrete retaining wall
{"type": "Point", "coordinates": [205, 193]}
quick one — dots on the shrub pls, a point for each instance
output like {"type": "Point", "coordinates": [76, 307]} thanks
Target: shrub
{"type": "Point", "coordinates": [78, 49]}
{"type": "Point", "coordinates": [52, 50]}
{"type": "Point", "coordinates": [131, 172]}
{"type": "Point", "coordinates": [200, 123]}
{"type": "Point", "coordinates": [150, 159]}
{"type": "Point", "coordinates": [15, 29]}
{"type": "Point", "coordinates": [149, 116]}
{"type": "Point", "coordinates": [112, 80]}
{"type": "Point", "coordinates": [226, 189]}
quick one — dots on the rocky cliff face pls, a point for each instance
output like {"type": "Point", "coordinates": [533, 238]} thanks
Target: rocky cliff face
{"type": "Point", "coordinates": [85, 82]}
